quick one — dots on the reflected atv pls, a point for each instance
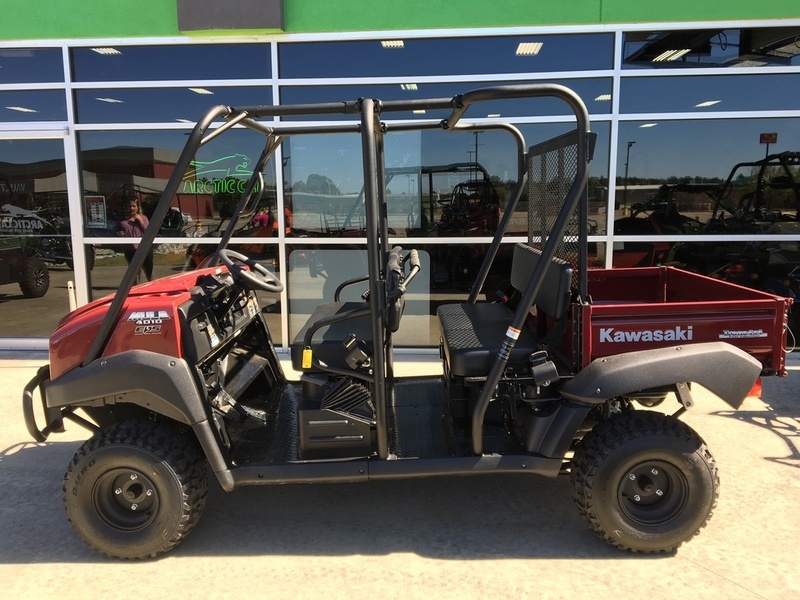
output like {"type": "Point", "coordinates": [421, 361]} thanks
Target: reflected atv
{"type": "Point", "coordinates": [20, 265]}
{"type": "Point", "coordinates": [178, 378]}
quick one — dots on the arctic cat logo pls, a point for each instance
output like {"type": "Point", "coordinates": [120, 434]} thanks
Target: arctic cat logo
{"type": "Point", "coordinates": [149, 317]}
{"type": "Point", "coordinates": [677, 334]}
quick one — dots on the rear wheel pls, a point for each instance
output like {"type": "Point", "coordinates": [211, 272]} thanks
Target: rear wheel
{"type": "Point", "coordinates": [135, 490]}
{"type": "Point", "coordinates": [644, 481]}
{"type": "Point", "coordinates": [35, 278]}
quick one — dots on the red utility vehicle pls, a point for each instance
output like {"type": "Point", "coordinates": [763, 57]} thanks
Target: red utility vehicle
{"type": "Point", "coordinates": [179, 376]}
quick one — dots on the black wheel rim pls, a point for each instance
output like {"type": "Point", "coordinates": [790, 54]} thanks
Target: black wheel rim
{"type": "Point", "coordinates": [653, 493]}
{"type": "Point", "coordinates": [125, 499]}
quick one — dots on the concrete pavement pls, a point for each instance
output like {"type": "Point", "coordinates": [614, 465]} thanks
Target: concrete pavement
{"type": "Point", "coordinates": [487, 537]}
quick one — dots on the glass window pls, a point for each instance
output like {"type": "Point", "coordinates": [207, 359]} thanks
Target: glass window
{"type": "Point", "coordinates": [316, 272]}
{"type": "Point", "coordinates": [40, 105]}
{"type": "Point", "coordinates": [453, 56]}
{"type": "Point", "coordinates": [167, 259]}
{"type": "Point", "coordinates": [178, 62]}
{"type": "Point", "coordinates": [711, 176]}
{"type": "Point", "coordinates": [595, 92]}
{"type": "Point", "coordinates": [703, 94]}
{"type": "Point", "coordinates": [31, 65]}
{"type": "Point", "coordinates": [152, 105]}
{"type": "Point", "coordinates": [35, 253]}
{"type": "Point", "coordinates": [751, 47]}
{"type": "Point", "coordinates": [120, 166]}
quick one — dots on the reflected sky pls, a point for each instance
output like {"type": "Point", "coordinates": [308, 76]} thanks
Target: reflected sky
{"type": "Point", "coordinates": [703, 93]}
{"type": "Point", "coordinates": [31, 65]}
{"type": "Point", "coordinates": [152, 105]}
{"type": "Point", "coordinates": [448, 56]}
{"type": "Point", "coordinates": [706, 148]}
{"type": "Point", "coordinates": [176, 62]}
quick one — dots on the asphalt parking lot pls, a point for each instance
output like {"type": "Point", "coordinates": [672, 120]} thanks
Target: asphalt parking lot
{"type": "Point", "coordinates": [480, 537]}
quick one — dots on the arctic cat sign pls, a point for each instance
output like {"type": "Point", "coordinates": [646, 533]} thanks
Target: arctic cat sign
{"type": "Point", "coordinates": [17, 224]}
{"type": "Point", "coordinates": [676, 334]}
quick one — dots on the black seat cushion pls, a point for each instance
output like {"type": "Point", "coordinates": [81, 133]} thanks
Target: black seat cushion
{"type": "Point", "coordinates": [472, 335]}
{"type": "Point", "coordinates": [327, 341]}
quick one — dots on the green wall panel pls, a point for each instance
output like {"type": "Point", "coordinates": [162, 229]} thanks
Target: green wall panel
{"type": "Point", "coordinates": [626, 11]}
{"type": "Point", "coordinates": [355, 15]}
{"type": "Point", "coordinates": [69, 19]}
{"type": "Point", "coordinates": [64, 19]}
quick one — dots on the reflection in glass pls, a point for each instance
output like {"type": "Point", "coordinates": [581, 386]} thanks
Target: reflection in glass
{"type": "Point", "coordinates": [595, 92]}
{"type": "Point", "coordinates": [689, 177]}
{"type": "Point", "coordinates": [177, 62]}
{"type": "Point", "coordinates": [35, 257]}
{"type": "Point", "coordinates": [454, 56]}
{"type": "Point", "coordinates": [750, 47]}
{"type": "Point", "coordinates": [31, 65]}
{"type": "Point", "coordinates": [39, 105]}
{"type": "Point", "coordinates": [118, 166]}
{"type": "Point", "coordinates": [703, 93]}
{"type": "Point", "coordinates": [315, 273]}
{"type": "Point", "coordinates": [151, 105]}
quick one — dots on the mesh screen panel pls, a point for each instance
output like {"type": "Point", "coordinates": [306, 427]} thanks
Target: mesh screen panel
{"type": "Point", "coordinates": [552, 167]}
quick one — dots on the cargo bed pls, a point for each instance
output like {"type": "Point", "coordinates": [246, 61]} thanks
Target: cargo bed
{"type": "Point", "coordinates": [653, 307]}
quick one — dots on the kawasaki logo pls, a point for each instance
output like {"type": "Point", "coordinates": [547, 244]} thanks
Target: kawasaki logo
{"type": "Point", "coordinates": [677, 334]}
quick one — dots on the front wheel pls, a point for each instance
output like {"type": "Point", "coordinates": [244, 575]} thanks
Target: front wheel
{"type": "Point", "coordinates": [644, 481]}
{"type": "Point", "coordinates": [135, 490]}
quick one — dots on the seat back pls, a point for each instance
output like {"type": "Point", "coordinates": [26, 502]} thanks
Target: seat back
{"type": "Point", "coordinates": [554, 294]}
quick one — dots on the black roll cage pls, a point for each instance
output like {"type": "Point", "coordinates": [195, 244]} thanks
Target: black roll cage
{"type": "Point", "coordinates": [372, 131]}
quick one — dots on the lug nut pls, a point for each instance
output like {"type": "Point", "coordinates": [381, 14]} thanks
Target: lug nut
{"type": "Point", "coordinates": [632, 477]}
{"type": "Point", "coordinates": [659, 492]}
{"type": "Point", "coordinates": [134, 506]}
{"type": "Point", "coordinates": [134, 476]}
{"type": "Point", "coordinates": [118, 491]}
{"type": "Point", "coordinates": [654, 471]}
{"type": "Point", "coordinates": [637, 498]}
{"type": "Point", "coordinates": [149, 492]}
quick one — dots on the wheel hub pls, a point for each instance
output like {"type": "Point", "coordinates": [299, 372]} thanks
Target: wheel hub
{"type": "Point", "coordinates": [125, 499]}
{"type": "Point", "coordinates": [653, 493]}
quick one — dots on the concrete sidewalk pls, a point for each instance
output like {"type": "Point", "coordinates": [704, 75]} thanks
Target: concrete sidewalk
{"type": "Point", "coordinates": [481, 537]}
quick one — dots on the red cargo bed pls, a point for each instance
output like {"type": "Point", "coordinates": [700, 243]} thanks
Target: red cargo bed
{"type": "Point", "coordinates": [653, 307]}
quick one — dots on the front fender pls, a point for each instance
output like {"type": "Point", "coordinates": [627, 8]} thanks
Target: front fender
{"type": "Point", "coordinates": [163, 384]}
{"type": "Point", "coordinates": [720, 367]}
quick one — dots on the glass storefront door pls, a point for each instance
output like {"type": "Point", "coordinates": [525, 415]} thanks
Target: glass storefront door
{"type": "Point", "coordinates": [37, 258]}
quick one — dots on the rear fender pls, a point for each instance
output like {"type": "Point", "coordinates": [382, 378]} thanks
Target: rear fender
{"type": "Point", "coordinates": [720, 367]}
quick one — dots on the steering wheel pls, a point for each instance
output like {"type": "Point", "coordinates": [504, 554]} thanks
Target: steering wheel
{"type": "Point", "coordinates": [257, 278]}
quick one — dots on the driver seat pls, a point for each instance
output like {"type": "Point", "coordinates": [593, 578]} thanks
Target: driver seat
{"type": "Point", "coordinates": [347, 319]}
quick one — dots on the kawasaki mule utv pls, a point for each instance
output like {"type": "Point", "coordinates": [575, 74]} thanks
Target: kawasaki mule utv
{"type": "Point", "coordinates": [179, 376]}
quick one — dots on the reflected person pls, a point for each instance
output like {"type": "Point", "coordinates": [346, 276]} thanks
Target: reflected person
{"type": "Point", "coordinates": [133, 225]}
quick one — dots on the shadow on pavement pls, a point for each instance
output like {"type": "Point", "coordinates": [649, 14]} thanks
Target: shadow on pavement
{"type": "Point", "coordinates": [469, 518]}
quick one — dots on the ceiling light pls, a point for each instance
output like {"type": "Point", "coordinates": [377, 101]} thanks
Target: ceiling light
{"type": "Point", "coordinates": [493, 116]}
{"type": "Point", "coordinates": [201, 91]}
{"type": "Point", "coordinates": [409, 87]}
{"type": "Point", "coordinates": [106, 51]}
{"type": "Point", "coordinates": [111, 100]}
{"type": "Point", "coordinates": [22, 109]}
{"type": "Point", "coordinates": [671, 55]}
{"type": "Point", "coordinates": [603, 98]}
{"type": "Point", "coordinates": [529, 48]}
{"type": "Point", "coordinates": [707, 103]}
{"type": "Point", "coordinates": [393, 43]}
{"type": "Point", "coordinates": [647, 125]}
{"type": "Point", "coordinates": [419, 111]}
